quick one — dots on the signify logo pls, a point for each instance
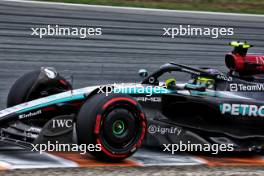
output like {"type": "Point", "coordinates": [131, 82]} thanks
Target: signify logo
{"type": "Point", "coordinates": [242, 109]}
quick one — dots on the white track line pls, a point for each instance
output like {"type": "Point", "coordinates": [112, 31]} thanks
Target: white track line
{"type": "Point", "coordinates": [134, 8]}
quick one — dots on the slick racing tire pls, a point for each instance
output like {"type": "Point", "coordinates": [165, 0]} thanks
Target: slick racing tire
{"type": "Point", "coordinates": [32, 86]}
{"type": "Point", "coordinates": [114, 124]}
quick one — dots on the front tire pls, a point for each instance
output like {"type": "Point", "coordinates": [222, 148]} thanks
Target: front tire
{"type": "Point", "coordinates": [116, 123]}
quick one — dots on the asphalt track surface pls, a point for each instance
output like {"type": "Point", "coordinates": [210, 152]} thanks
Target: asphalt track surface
{"type": "Point", "coordinates": [132, 39]}
{"type": "Point", "coordinates": [144, 171]}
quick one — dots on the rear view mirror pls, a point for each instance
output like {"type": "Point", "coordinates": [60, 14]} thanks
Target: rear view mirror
{"type": "Point", "coordinates": [143, 73]}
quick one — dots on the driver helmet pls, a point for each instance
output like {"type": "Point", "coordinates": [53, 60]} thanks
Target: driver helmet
{"type": "Point", "coordinates": [170, 83]}
{"type": "Point", "coordinates": [205, 81]}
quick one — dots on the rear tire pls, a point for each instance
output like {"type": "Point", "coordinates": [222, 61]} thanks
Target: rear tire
{"type": "Point", "coordinates": [115, 123]}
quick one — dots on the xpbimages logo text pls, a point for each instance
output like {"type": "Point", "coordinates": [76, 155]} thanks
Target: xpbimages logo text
{"type": "Point", "coordinates": [132, 89]}
{"type": "Point", "coordinates": [58, 147]}
{"type": "Point", "coordinates": [188, 30]}
{"type": "Point", "coordinates": [56, 30]}
{"type": "Point", "coordinates": [187, 146]}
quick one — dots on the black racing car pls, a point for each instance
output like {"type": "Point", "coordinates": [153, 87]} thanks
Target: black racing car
{"type": "Point", "coordinates": [211, 107]}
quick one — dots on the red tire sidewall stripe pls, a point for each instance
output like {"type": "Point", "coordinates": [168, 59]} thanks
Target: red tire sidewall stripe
{"type": "Point", "coordinates": [106, 105]}
{"type": "Point", "coordinates": [97, 124]}
{"type": "Point", "coordinates": [143, 132]}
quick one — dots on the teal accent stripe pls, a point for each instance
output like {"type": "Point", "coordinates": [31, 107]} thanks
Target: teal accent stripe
{"type": "Point", "coordinates": [194, 92]}
{"type": "Point", "coordinates": [63, 100]}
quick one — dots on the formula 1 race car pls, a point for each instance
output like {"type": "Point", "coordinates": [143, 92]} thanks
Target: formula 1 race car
{"type": "Point", "coordinates": [211, 107]}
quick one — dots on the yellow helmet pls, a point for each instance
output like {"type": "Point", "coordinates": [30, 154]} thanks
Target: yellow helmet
{"type": "Point", "coordinates": [170, 82]}
{"type": "Point", "coordinates": [244, 45]}
{"type": "Point", "coordinates": [205, 81]}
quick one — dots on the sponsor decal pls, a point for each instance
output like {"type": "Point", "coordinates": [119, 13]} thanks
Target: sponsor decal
{"type": "Point", "coordinates": [31, 114]}
{"type": "Point", "coordinates": [154, 129]}
{"type": "Point", "coordinates": [242, 110]}
{"type": "Point", "coordinates": [34, 129]}
{"type": "Point", "coordinates": [224, 77]}
{"type": "Point", "coordinates": [148, 99]}
{"type": "Point", "coordinates": [190, 71]}
{"type": "Point", "coordinates": [234, 87]}
{"type": "Point", "coordinates": [62, 123]}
